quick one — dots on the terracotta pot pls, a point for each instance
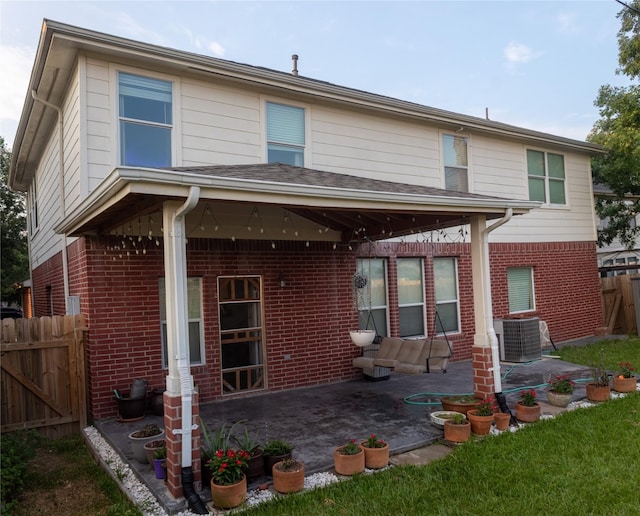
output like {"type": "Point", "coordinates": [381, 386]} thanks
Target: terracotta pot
{"type": "Point", "coordinates": [227, 497]}
{"type": "Point", "coordinates": [271, 460]}
{"type": "Point", "coordinates": [375, 458]}
{"type": "Point", "coordinates": [624, 384]}
{"type": "Point", "coordinates": [450, 403]}
{"type": "Point", "coordinates": [457, 433]}
{"type": "Point", "coordinates": [348, 464]}
{"type": "Point", "coordinates": [527, 414]}
{"type": "Point", "coordinates": [597, 392]}
{"type": "Point", "coordinates": [559, 399]}
{"type": "Point", "coordinates": [288, 481]}
{"type": "Point", "coordinates": [502, 420]}
{"type": "Point", "coordinates": [480, 425]}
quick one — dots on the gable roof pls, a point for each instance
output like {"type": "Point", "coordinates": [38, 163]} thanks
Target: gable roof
{"type": "Point", "coordinates": [60, 45]}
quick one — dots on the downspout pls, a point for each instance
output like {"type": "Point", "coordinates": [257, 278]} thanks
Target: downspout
{"type": "Point", "coordinates": [493, 339]}
{"type": "Point", "coordinates": [182, 356]}
{"type": "Point", "coordinates": [63, 209]}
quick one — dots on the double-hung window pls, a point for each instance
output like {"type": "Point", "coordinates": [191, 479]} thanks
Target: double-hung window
{"type": "Point", "coordinates": [520, 288]}
{"type": "Point", "coordinates": [285, 134]}
{"type": "Point", "coordinates": [145, 113]}
{"type": "Point", "coordinates": [411, 306]}
{"type": "Point", "coordinates": [445, 273]}
{"type": "Point", "coordinates": [371, 296]}
{"type": "Point", "coordinates": [456, 163]}
{"type": "Point", "coordinates": [194, 314]}
{"type": "Point", "coordinates": [546, 177]}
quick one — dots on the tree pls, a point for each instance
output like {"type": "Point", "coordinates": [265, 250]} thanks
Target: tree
{"type": "Point", "coordinates": [618, 131]}
{"type": "Point", "coordinates": [14, 267]}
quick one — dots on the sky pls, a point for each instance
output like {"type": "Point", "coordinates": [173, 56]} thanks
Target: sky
{"type": "Point", "coordinates": [533, 64]}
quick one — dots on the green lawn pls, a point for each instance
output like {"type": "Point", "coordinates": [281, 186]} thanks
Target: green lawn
{"type": "Point", "coordinates": [586, 461]}
{"type": "Point", "coordinates": [608, 352]}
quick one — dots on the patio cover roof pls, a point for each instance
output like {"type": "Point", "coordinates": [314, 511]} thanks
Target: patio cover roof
{"type": "Point", "coordinates": [340, 202]}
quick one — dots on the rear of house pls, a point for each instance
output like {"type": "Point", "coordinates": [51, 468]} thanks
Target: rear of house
{"type": "Point", "coordinates": [119, 132]}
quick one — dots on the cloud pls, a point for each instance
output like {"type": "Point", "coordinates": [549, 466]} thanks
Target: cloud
{"type": "Point", "coordinates": [213, 47]}
{"type": "Point", "coordinates": [566, 23]}
{"type": "Point", "coordinates": [516, 53]}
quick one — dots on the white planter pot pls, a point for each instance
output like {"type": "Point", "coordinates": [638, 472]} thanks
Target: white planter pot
{"type": "Point", "coordinates": [362, 337]}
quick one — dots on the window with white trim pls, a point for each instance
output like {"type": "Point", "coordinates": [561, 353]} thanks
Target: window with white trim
{"type": "Point", "coordinates": [520, 288]}
{"type": "Point", "coordinates": [411, 305]}
{"type": "Point", "coordinates": [445, 274]}
{"type": "Point", "coordinates": [146, 116]}
{"type": "Point", "coordinates": [32, 199]}
{"type": "Point", "coordinates": [372, 298]}
{"type": "Point", "coordinates": [456, 163]}
{"type": "Point", "coordinates": [546, 177]}
{"type": "Point", "coordinates": [285, 134]}
{"type": "Point", "coordinates": [194, 314]}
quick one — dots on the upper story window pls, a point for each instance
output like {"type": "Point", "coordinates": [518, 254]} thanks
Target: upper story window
{"type": "Point", "coordinates": [546, 177]}
{"type": "Point", "coordinates": [285, 134]}
{"type": "Point", "coordinates": [32, 200]}
{"type": "Point", "coordinates": [456, 163]}
{"type": "Point", "coordinates": [145, 111]}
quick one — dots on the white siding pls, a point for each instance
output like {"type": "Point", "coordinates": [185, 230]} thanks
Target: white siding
{"type": "Point", "coordinates": [100, 161]}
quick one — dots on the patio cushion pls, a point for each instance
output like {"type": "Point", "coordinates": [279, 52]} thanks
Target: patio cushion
{"type": "Point", "coordinates": [410, 351]}
{"type": "Point", "coordinates": [389, 349]}
{"type": "Point", "coordinates": [436, 351]}
{"type": "Point", "coordinates": [363, 362]}
{"type": "Point", "coordinates": [438, 357]}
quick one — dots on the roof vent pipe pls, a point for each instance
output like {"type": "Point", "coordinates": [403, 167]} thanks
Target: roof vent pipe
{"type": "Point", "coordinates": [294, 58]}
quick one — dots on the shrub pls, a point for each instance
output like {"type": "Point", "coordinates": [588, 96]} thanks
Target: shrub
{"type": "Point", "coordinates": [17, 449]}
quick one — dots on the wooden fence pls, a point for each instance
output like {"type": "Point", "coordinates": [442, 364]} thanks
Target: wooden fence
{"type": "Point", "coordinates": [43, 375]}
{"type": "Point", "coordinates": [618, 307]}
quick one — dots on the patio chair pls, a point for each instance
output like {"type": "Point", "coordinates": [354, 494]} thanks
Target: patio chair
{"type": "Point", "coordinates": [385, 354]}
{"type": "Point", "coordinates": [434, 354]}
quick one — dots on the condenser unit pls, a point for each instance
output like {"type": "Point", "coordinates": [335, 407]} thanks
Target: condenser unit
{"type": "Point", "coordinates": [519, 339]}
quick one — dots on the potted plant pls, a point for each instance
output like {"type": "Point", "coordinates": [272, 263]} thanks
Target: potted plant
{"type": "Point", "coordinates": [527, 409]}
{"type": "Point", "coordinates": [376, 452]}
{"type": "Point", "coordinates": [228, 481]}
{"type": "Point", "coordinates": [560, 390]}
{"type": "Point", "coordinates": [463, 403]}
{"type": "Point", "coordinates": [211, 442]}
{"type": "Point", "coordinates": [457, 429]}
{"type": "Point", "coordinates": [255, 466]}
{"type": "Point", "coordinates": [159, 458]}
{"type": "Point", "coordinates": [129, 409]}
{"type": "Point", "coordinates": [140, 437]}
{"type": "Point", "coordinates": [288, 476]}
{"type": "Point", "coordinates": [625, 380]}
{"type": "Point", "coordinates": [481, 417]}
{"type": "Point", "coordinates": [349, 458]}
{"type": "Point", "coordinates": [150, 448]}
{"type": "Point", "coordinates": [275, 451]}
{"type": "Point", "coordinates": [502, 420]}
{"type": "Point", "coordinates": [598, 389]}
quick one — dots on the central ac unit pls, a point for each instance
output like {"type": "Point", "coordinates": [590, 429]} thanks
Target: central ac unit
{"type": "Point", "coordinates": [519, 339]}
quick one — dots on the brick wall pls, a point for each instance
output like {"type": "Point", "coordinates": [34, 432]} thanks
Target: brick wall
{"type": "Point", "coordinates": [306, 322]}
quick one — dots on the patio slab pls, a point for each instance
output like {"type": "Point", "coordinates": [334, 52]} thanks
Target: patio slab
{"type": "Point", "coordinates": [318, 419]}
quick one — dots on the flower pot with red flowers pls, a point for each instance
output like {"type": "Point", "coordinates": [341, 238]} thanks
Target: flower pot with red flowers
{"type": "Point", "coordinates": [527, 409]}
{"type": "Point", "coordinates": [481, 417]}
{"type": "Point", "coordinates": [349, 459]}
{"type": "Point", "coordinates": [376, 452]}
{"type": "Point", "coordinates": [457, 429]}
{"type": "Point", "coordinates": [599, 388]}
{"type": "Point", "coordinates": [228, 481]}
{"type": "Point", "coordinates": [625, 380]}
{"type": "Point", "coordinates": [560, 390]}
{"type": "Point", "coordinates": [288, 476]}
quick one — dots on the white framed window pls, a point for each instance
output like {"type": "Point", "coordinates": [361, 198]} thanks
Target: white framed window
{"type": "Point", "coordinates": [456, 162]}
{"type": "Point", "coordinates": [546, 177]}
{"type": "Point", "coordinates": [520, 287]}
{"type": "Point", "coordinates": [194, 314]}
{"type": "Point", "coordinates": [32, 199]}
{"type": "Point", "coordinates": [372, 300]}
{"type": "Point", "coordinates": [285, 134]}
{"type": "Point", "coordinates": [411, 305]}
{"type": "Point", "coordinates": [145, 109]}
{"type": "Point", "coordinates": [445, 274]}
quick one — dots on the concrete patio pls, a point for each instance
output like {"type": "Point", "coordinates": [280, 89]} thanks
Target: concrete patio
{"type": "Point", "coordinates": [316, 420]}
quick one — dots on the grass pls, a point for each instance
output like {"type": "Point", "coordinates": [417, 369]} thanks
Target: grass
{"type": "Point", "coordinates": [586, 461]}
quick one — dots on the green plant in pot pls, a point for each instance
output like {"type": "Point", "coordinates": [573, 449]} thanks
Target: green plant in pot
{"type": "Point", "coordinates": [349, 458]}
{"type": "Point", "coordinates": [457, 429]}
{"type": "Point", "coordinates": [247, 442]}
{"type": "Point", "coordinates": [159, 458]}
{"type": "Point", "coordinates": [288, 476]}
{"type": "Point", "coordinates": [275, 450]}
{"type": "Point", "coordinates": [598, 389]}
{"type": "Point", "coordinates": [560, 390]}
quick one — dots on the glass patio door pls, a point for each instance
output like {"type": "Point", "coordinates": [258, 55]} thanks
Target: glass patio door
{"type": "Point", "coordinates": [241, 334]}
